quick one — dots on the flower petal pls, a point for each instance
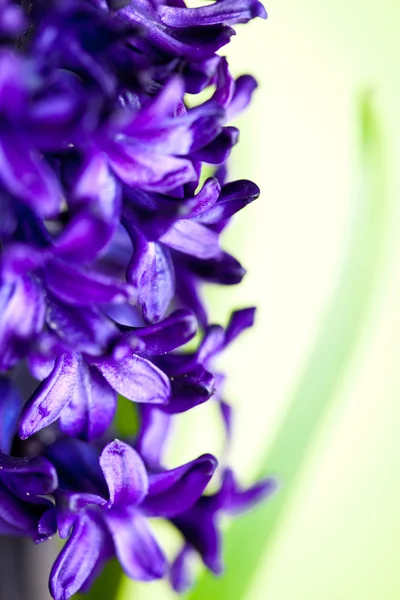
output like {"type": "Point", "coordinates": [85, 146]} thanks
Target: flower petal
{"type": "Point", "coordinates": [228, 12]}
{"type": "Point", "coordinates": [180, 575]}
{"type": "Point", "coordinates": [152, 273]}
{"type": "Point", "coordinates": [244, 88]}
{"type": "Point", "coordinates": [81, 328]}
{"type": "Point", "coordinates": [189, 390]}
{"type": "Point", "coordinates": [22, 310]}
{"type": "Point", "coordinates": [219, 149]}
{"type": "Point", "coordinates": [19, 514]}
{"type": "Point", "coordinates": [51, 396]}
{"type": "Point", "coordinates": [125, 474]}
{"type": "Point", "coordinates": [199, 527]}
{"type": "Point", "coordinates": [173, 492]}
{"type": "Point", "coordinates": [192, 238]}
{"type": "Point", "coordinates": [80, 288]}
{"type": "Point", "coordinates": [27, 176]}
{"type": "Point", "coordinates": [239, 321]}
{"type": "Point", "coordinates": [136, 378]}
{"type": "Point", "coordinates": [28, 476]}
{"type": "Point", "coordinates": [204, 200]}
{"type": "Point", "coordinates": [237, 500]}
{"type": "Point", "coordinates": [137, 550]}
{"type": "Point", "coordinates": [92, 406]}
{"type": "Point", "coordinates": [223, 268]}
{"type": "Point", "coordinates": [234, 196]}
{"type": "Point", "coordinates": [155, 426]}
{"type": "Point", "coordinates": [140, 168]}
{"type": "Point", "coordinates": [77, 559]}
{"type": "Point", "coordinates": [165, 336]}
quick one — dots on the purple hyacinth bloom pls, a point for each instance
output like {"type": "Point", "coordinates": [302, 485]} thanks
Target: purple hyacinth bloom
{"type": "Point", "coordinates": [108, 229]}
{"type": "Point", "coordinates": [103, 504]}
{"type": "Point", "coordinates": [200, 526]}
{"type": "Point", "coordinates": [81, 389]}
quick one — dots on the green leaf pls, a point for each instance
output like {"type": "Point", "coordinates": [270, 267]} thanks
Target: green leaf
{"type": "Point", "coordinates": [126, 420]}
{"type": "Point", "coordinates": [106, 586]}
{"type": "Point", "coordinates": [250, 537]}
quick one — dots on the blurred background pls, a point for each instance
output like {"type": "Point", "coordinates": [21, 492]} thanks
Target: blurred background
{"type": "Point", "coordinates": [316, 384]}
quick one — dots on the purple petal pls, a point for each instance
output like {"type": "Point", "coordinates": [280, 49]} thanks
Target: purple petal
{"type": "Point", "coordinates": [27, 176]}
{"type": "Point", "coordinates": [181, 577]}
{"type": "Point", "coordinates": [204, 200]}
{"type": "Point", "coordinates": [239, 321]}
{"type": "Point", "coordinates": [192, 238]}
{"type": "Point", "coordinates": [165, 336]}
{"type": "Point", "coordinates": [86, 473]}
{"type": "Point", "coordinates": [96, 183]}
{"type": "Point", "coordinates": [163, 105]}
{"type": "Point", "coordinates": [199, 44]}
{"type": "Point", "coordinates": [77, 502]}
{"type": "Point", "coordinates": [107, 552]}
{"type": "Point", "coordinates": [125, 474]}
{"type": "Point", "coordinates": [140, 168]}
{"type": "Point", "coordinates": [77, 559]}
{"type": "Point", "coordinates": [24, 516]}
{"type": "Point", "coordinates": [12, 20]}
{"type": "Point", "coordinates": [152, 214]}
{"type": "Point", "coordinates": [10, 407]}
{"type": "Point", "coordinates": [18, 259]}
{"type": "Point", "coordinates": [91, 228]}
{"type": "Point", "coordinates": [189, 390]}
{"type": "Point", "coordinates": [136, 378]}
{"type": "Point", "coordinates": [92, 406]}
{"type": "Point", "coordinates": [85, 237]}
{"type": "Point", "coordinates": [13, 93]}
{"type": "Point", "coordinates": [173, 492]}
{"type": "Point", "coordinates": [28, 476]}
{"type": "Point", "coordinates": [228, 12]}
{"type": "Point", "coordinates": [137, 550]}
{"type": "Point", "coordinates": [155, 426]}
{"type": "Point", "coordinates": [244, 88]}
{"type": "Point", "coordinates": [225, 84]}
{"type": "Point", "coordinates": [239, 500]}
{"type": "Point", "coordinates": [198, 73]}
{"type": "Point", "coordinates": [82, 329]}
{"type": "Point", "coordinates": [200, 530]}
{"type": "Point", "coordinates": [51, 396]}
{"type": "Point", "coordinates": [152, 273]}
{"type": "Point", "coordinates": [22, 310]}
{"type": "Point", "coordinates": [40, 366]}
{"type": "Point", "coordinates": [47, 525]}
{"type": "Point", "coordinates": [218, 151]}
{"type": "Point", "coordinates": [80, 288]}
{"type": "Point", "coordinates": [226, 414]}
{"type": "Point", "coordinates": [211, 344]}
{"type": "Point", "coordinates": [234, 196]}
{"type": "Point", "coordinates": [223, 269]}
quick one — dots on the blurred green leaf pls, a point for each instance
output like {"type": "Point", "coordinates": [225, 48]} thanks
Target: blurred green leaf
{"type": "Point", "coordinates": [106, 586]}
{"type": "Point", "coordinates": [126, 420]}
{"type": "Point", "coordinates": [250, 537]}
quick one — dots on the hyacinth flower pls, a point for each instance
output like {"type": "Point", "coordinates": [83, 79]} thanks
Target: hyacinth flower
{"type": "Point", "coordinates": [108, 231]}
{"type": "Point", "coordinates": [103, 503]}
{"type": "Point", "coordinates": [200, 526]}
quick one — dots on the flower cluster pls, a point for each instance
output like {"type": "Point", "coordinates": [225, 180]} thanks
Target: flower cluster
{"type": "Point", "coordinates": [107, 231]}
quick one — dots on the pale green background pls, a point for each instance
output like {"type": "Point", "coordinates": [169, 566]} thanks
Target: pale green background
{"type": "Point", "coordinates": [340, 536]}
